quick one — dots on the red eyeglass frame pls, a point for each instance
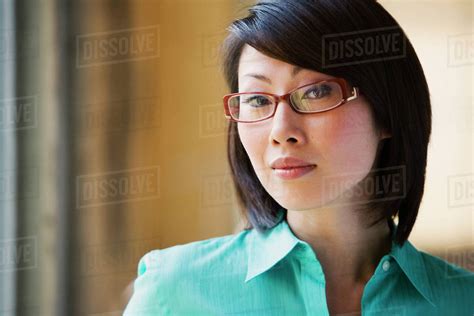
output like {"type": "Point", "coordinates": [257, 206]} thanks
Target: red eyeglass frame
{"type": "Point", "coordinates": [286, 97]}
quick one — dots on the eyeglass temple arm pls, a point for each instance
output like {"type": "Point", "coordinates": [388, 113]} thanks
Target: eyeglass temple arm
{"type": "Point", "coordinates": [355, 94]}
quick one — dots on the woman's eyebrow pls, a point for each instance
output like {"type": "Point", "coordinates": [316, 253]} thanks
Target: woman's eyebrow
{"type": "Point", "coordinates": [296, 70]}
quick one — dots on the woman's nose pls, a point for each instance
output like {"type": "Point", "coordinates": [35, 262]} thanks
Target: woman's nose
{"type": "Point", "coordinates": [286, 124]}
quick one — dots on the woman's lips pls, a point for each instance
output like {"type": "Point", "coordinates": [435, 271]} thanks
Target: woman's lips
{"type": "Point", "coordinates": [293, 173]}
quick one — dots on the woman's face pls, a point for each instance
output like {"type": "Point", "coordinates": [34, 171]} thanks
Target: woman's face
{"type": "Point", "coordinates": [342, 142]}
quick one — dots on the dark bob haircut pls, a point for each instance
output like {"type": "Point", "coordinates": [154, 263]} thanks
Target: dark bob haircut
{"type": "Point", "coordinates": [395, 86]}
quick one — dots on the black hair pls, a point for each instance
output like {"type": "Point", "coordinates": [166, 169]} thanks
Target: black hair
{"type": "Point", "coordinates": [297, 32]}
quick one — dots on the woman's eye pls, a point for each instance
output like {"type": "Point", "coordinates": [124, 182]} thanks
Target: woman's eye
{"type": "Point", "coordinates": [318, 92]}
{"type": "Point", "coordinates": [257, 101]}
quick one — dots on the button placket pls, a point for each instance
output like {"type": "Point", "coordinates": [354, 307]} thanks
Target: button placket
{"type": "Point", "coordinates": [313, 283]}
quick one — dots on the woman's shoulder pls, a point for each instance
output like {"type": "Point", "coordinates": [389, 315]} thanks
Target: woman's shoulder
{"type": "Point", "coordinates": [165, 275]}
{"type": "Point", "coordinates": [443, 281]}
{"type": "Point", "coordinates": [447, 269]}
{"type": "Point", "coordinates": [448, 280]}
{"type": "Point", "coordinates": [197, 254]}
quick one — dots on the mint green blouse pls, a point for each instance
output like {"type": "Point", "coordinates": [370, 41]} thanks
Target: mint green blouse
{"type": "Point", "coordinates": [275, 273]}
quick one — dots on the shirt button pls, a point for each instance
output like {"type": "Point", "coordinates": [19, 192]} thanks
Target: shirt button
{"type": "Point", "coordinates": [386, 265]}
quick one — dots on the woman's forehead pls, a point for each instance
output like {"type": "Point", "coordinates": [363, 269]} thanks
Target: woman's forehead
{"type": "Point", "coordinates": [252, 63]}
{"type": "Point", "coordinates": [255, 60]}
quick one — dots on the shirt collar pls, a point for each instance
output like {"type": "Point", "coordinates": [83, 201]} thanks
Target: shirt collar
{"type": "Point", "coordinates": [411, 262]}
{"type": "Point", "coordinates": [268, 247]}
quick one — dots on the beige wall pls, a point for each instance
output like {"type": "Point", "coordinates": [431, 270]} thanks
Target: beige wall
{"type": "Point", "coordinates": [439, 31]}
{"type": "Point", "coordinates": [181, 140]}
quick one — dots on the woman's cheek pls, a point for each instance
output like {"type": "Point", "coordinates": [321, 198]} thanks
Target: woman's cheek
{"type": "Point", "coordinates": [351, 141]}
{"type": "Point", "coordinates": [254, 144]}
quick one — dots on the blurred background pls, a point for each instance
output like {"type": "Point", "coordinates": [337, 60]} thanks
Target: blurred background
{"type": "Point", "coordinates": [112, 141]}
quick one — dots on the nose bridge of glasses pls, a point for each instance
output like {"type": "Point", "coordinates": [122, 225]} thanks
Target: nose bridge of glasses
{"type": "Point", "coordinates": [285, 97]}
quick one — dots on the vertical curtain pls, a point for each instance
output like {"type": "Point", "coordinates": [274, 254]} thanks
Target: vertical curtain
{"type": "Point", "coordinates": [7, 159]}
{"type": "Point", "coordinates": [43, 150]}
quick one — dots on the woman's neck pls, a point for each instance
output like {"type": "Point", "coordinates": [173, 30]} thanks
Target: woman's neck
{"type": "Point", "coordinates": [347, 249]}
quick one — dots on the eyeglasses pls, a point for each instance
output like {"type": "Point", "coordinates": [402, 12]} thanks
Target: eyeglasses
{"type": "Point", "coordinates": [250, 107]}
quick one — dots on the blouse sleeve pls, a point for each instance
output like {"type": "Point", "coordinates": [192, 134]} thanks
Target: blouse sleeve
{"type": "Point", "coordinates": [145, 299]}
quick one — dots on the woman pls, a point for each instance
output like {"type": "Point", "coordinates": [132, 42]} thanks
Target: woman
{"type": "Point", "coordinates": [330, 121]}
